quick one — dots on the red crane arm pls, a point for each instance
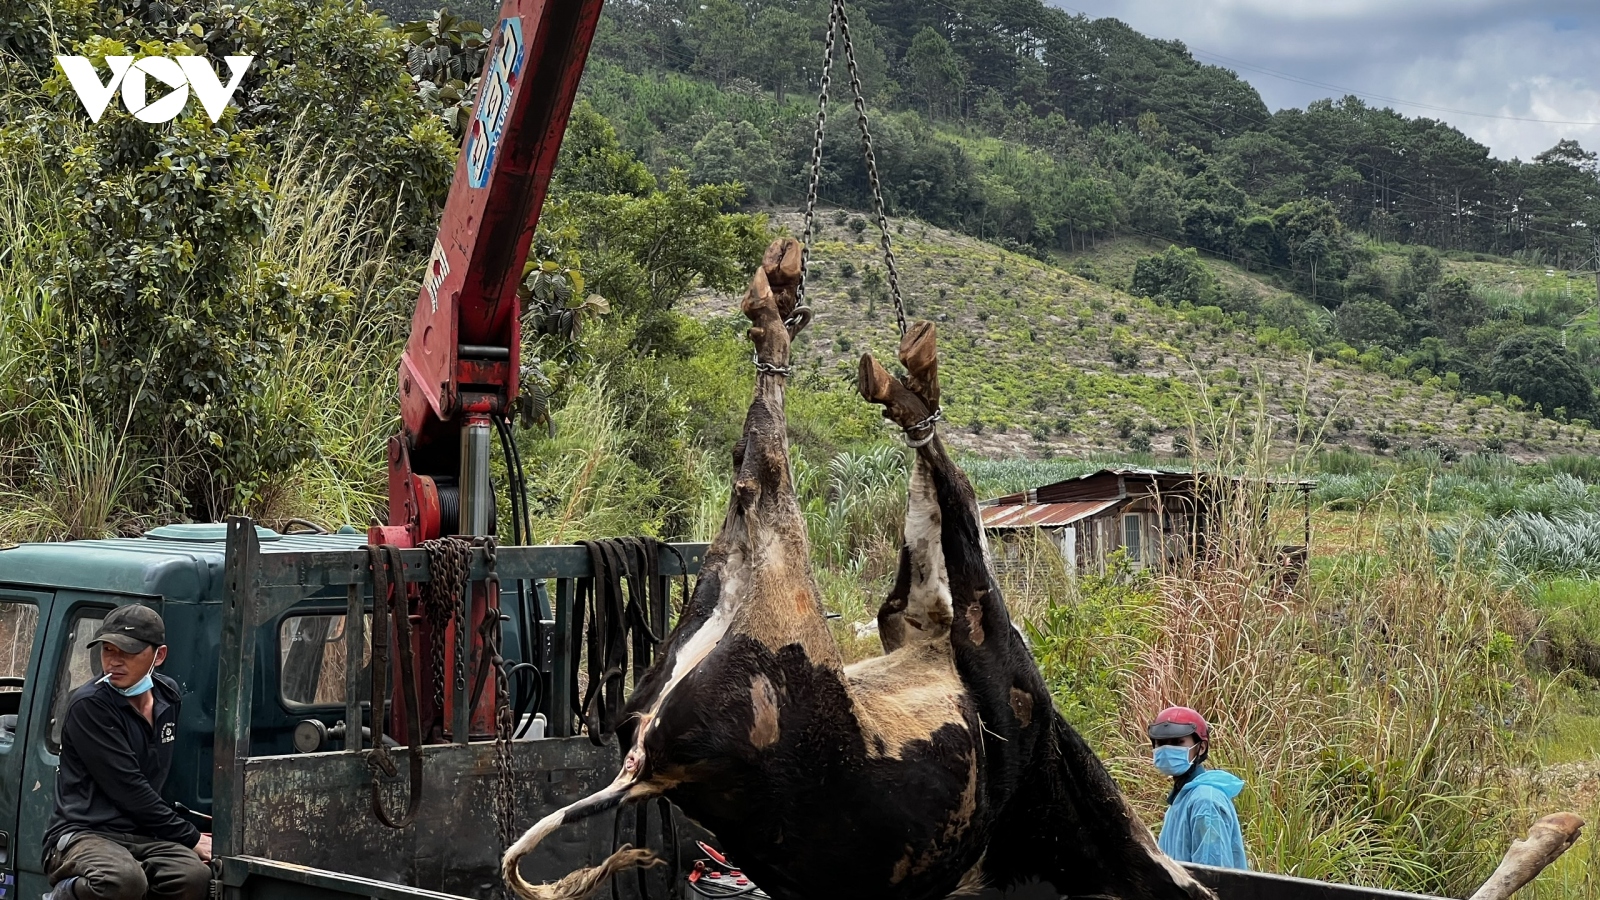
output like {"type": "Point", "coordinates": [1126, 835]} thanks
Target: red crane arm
{"type": "Point", "coordinates": [461, 363]}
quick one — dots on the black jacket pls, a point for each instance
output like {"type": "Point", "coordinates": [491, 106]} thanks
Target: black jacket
{"type": "Point", "coordinates": [114, 764]}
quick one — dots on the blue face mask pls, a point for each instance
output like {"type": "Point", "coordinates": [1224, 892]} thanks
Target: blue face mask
{"type": "Point", "coordinates": [1173, 761]}
{"type": "Point", "coordinates": [138, 687]}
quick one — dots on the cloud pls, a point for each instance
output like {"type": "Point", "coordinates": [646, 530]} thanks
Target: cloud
{"type": "Point", "coordinates": [1515, 59]}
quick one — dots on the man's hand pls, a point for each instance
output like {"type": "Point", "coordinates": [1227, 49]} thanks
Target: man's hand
{"type": "Point", "coordinates": [203, 849]}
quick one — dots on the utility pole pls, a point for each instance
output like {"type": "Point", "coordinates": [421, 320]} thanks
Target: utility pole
{"type": "Point", "coordinates": [1596, 263]}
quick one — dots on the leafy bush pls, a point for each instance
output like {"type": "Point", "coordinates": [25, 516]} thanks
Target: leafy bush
{"type": "Point", "coordinates": [1175, 276]}
{"type": "Point", "coordinates": [1539, 370]}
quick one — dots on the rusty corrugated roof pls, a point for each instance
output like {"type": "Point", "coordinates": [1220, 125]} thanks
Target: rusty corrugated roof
{"type": "Point", "coordinates": [1042, 515]}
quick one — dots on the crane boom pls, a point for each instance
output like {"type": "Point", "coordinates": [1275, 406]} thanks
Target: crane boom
{"type": "Point", "coordinates": [461, 364]}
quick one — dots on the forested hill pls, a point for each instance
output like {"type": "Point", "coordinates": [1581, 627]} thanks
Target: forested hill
{"type": "Point", "coordinates": [1106, 106]}
{"type": "Point", "coordinates": [1051, 134]}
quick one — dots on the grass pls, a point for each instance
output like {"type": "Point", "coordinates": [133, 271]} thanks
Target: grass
{"type": "Point", "coordinates": [1376, 713]}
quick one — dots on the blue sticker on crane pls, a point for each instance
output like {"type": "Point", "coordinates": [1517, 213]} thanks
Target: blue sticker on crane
{"type": "Point", "coordinates": [494, 102]}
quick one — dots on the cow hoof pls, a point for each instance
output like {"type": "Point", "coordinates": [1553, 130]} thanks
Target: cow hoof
{"type": "Point", "coordinates": [919, 353]}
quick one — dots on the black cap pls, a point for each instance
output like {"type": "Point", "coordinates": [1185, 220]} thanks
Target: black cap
{"type": "Point", "coordinates": [131, 629]}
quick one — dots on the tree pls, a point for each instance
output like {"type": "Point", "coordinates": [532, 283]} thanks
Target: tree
{"type": "Point", "coordinates": [1269, 168]}
{"type": "Point", "coordinates": [1366, 322]}
{"type": "Point", "coordinates": [1313, 250]}
{"type": "Point", "coordinates": [593, 162]}
{"type": "Point", "coordinates": [1313, 235]}
{"type": "Point", "coordinates": [644, 254]}
{"type": "Point", "coordinates": [720, 34]}
{"type": "Point", "coordinates": [934, 70]}
{"type": "Point", "coordinates": [736, 152]}
{"type": "Point", "coordinates": [1423, 270]}
{"type": "Point", "coordinates": [1153, 202]}
{"type": "Point", "coordinates": [1175, 276]}
{"type": "Point", "coordinates": [1536, 368]}
{"type": "Point", "coordinates": [1212, 208]}
{"type": "Point", "coordinates": [1457, 307]}
{"type": "Point", "coordinates": [785, 48]}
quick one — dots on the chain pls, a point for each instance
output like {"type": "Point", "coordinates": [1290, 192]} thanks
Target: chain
{"type": "Point", "coordinates": [494, 637]}
{"type": "Point", "coordinates": [390, 598]}
{"type": "Point", "coordinates": [460, 613]}
{"type": "Point", "coordinates": [928, 424]}
{"type": "Point", "coordinates": [872, 167]}
{"type": "Point", "coordinates": [450, 560]}
{"type": "Point", "coordinates": [769, 368]}
{"type": "Point", "coordinates": [839, 24]}
{"type": "Point", "coordinates": [809, 232]}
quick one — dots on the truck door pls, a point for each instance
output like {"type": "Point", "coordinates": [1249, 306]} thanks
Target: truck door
{"type": "Point", "coordinates": [20, 614]}
{"type": "Point", "coordinates": [61, 664]}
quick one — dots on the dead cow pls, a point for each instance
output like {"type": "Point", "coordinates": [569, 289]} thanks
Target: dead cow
{"type": "Point", "coordinates": [940, 765]}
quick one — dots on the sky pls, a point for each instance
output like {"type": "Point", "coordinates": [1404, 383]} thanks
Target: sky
{"type": "Point", "coordinates": [1491, 63]}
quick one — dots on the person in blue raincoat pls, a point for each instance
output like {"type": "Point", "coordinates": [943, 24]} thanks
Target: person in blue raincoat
{"type": "Point", "coordinates": [1201, 825]}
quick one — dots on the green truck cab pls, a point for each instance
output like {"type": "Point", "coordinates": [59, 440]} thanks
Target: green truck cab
{"type": "Point", "coordinates": [53, 595]}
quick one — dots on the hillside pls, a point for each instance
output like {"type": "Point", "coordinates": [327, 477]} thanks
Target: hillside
{"type": "Point", "coordinates": [1040, 360]}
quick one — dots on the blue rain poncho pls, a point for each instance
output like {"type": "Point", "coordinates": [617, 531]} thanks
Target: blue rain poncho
{"type": "Point", "coordinates": [1201, 825]}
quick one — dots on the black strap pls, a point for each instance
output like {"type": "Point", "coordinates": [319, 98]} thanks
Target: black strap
{"type": "Point", "coordinates": [620, 616]}
{"type": "Point", "coordinates": [606, 639]}
{"type": "Point", "coordinates": [389, 596]}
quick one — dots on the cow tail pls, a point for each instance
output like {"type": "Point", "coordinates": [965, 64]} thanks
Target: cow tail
{"type": "Point", "coordinates": [584, 883]}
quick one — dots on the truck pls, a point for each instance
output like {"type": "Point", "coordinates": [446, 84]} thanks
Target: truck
{"type": "Point", "coordinates": [310, 661]}
{"type": "Point", "coordinates": [262, 628]}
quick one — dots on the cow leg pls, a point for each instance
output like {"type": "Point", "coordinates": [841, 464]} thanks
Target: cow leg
{"type": "Point", "coordinates": [918, 609]}
{"type": "Point", "coordinates": [892, 614]}
{"type": "Point", "coordinates": [1062, 817]}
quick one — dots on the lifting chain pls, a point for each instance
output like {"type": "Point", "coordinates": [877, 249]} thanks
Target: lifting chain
{"type": "Point", "coordinates": [493, 633]}
{"type": "Point", "coordinates": [839, 23]}
{"type": "Point", "coordinates": [449, 561]}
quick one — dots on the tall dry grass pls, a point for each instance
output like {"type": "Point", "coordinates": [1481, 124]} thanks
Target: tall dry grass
{"type": "Point", "coordinates": [583, 482]}
{"type": "Point", "coordinates": [1380, 710]}
{"type": "Point", "coordinates": [64, 475]}
{"type": "Point", "coordinates": [335, 248]}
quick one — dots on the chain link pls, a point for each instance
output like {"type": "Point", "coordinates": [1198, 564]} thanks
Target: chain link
{"type": "Point", "coordinates": [930, 425]}
{"type": "Point", "coordinates": [872, 168]}
{"type": "Point", "coordinates": [839, 24]}
{"type": "Point", "coordinates": [450, 561]}
{"type": "Point", "coordinates": [505, 797]}
{"type": "Point", "coordinates": [809, 232]}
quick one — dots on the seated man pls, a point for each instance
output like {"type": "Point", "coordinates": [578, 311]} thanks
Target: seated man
{"type": "Point", "coordinates": [111, 836]}
{"type": "Point", "coordinates": [1201, 825]}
